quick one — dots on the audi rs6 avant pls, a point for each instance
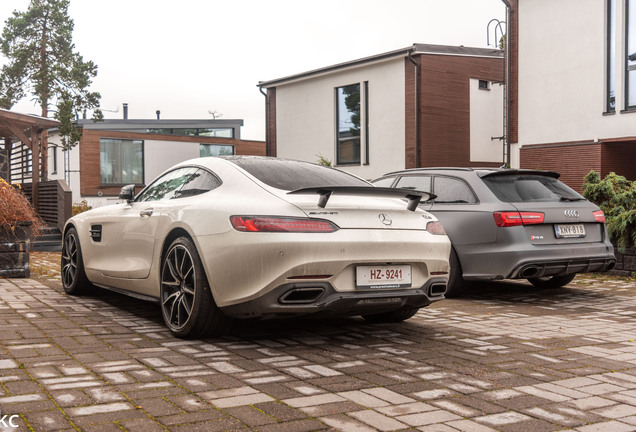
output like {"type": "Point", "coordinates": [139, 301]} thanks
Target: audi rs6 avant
{"type": "Point", "coordinates": [511, 224]}
{"type": "Point", "coordinates": [213, 239]}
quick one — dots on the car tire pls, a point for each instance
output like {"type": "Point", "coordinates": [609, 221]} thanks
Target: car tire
{"type": "Point", "coordinates": [74, 280]}
{"type": "Point", "coordinates": [395, 316]}
{"type": "Point", "coordinates": [456, 282]}
{"type": "Point", "coordinates": [550, 282]}
{"type": "Point", "coordinates": [187, 305]}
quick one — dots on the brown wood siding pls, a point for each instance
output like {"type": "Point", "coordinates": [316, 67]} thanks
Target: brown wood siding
{"type": "Point", "coordinates": [90, 176]}
{"type": "Point", "coordinates": [270, 113]}
{"type": "Point", "coordinates": [409, 118]}
{"type": "Point", "coordinates": [444, 106]}
{"type": "Point", "coordinates": [619, 157]}
{"type": "Point", "coordinates": [572, 160]}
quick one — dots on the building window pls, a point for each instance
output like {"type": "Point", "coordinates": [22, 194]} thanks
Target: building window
{"type": "Point", "coordinates": [206, 150]}
{"type": "Point", "coordinates": [121, 161]}
{"type": "Point", "coordinates": [484, 85]}
{"type": "Point", "coordinates": [610, 103]}
{"type": "Point", "coordinates": [348, 125]}
{"type": "Point", "coordinates": [630, 44]}
{"type": "Point", "coordinates": [54, 159]}
{"type": "Point", "coordinates": [208, 132]}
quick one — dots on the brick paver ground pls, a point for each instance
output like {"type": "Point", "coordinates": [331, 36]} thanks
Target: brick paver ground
{"type": "Point", "coordinates": [507, 357]}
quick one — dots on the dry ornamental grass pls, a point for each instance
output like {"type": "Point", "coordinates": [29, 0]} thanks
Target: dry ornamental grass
{"type": "Point", "coordinates": [15, 208]}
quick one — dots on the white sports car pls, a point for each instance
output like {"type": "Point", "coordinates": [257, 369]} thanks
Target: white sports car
{"type": "Point", "coordinates": [213, 239]}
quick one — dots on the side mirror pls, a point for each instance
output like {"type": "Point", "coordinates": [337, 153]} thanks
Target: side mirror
{"type": "Point", "coordinates": [127, 193]}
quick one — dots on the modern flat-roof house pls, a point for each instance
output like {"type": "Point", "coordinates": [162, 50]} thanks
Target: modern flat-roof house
{"type": "Point", "coordinates": [114, 153]}
{"type": "Point", "coordinates": [573, 86]}
{"type": "Point", "coordinates": [420, 106]}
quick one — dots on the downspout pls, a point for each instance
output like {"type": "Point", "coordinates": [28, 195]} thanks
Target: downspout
{"type": "Point", "coordinates": [417, 116]}
{"type": "Point", "coordinates": [507, 83]}
{"type": "Point", "coordinates": [267, 143]}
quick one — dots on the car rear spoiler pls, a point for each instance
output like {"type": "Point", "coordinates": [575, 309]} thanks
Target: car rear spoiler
{"type": "Point", "coordinates": [413, 196]}
{"type": "Point", "coordinates": [505, 172]}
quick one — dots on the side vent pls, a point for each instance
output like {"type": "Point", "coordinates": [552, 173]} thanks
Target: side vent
{"type": "Point", "coordinates": [96, 233]}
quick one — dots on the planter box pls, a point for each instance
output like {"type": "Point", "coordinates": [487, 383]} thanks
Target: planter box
{"type": "Point", "coordinates": [14, 252]}
{"type": "Point", "coordinates": [625, 262]}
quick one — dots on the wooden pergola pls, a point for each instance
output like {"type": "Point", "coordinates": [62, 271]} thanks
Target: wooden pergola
{"type": "Point", "coordinates": [28, 129]}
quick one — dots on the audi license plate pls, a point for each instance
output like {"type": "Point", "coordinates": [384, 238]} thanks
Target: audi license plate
{"type": "Point", "coordinates": [569, 231]}
{"type": "Point", "coordinates": [391, 276]}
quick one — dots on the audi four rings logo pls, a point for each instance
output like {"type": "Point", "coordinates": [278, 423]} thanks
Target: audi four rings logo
{"type": "Point", "coordinates": [571, 213]}
{"type": "Point", "coordinates": [385, 219]}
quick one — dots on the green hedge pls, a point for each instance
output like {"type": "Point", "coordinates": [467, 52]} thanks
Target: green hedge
{"type": "Point", "coordinates": [616, 196]}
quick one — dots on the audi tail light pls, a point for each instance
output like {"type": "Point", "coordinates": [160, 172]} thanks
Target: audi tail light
{"type": "Point", "coordinates": [508, 219]}
{"type": "Point", "coordinates": [281, 224]}
{"type": "Point", "coordinates": [599, 216]}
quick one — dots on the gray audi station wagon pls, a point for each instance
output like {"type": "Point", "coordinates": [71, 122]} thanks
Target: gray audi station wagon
{"type": "Point", "coordinates": [511, 224]}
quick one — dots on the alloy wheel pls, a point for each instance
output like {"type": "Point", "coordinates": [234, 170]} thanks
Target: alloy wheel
{"type": "Point", "coordinates": [178, 285]}
{"type": "Point", "coordinates": [69, 260]}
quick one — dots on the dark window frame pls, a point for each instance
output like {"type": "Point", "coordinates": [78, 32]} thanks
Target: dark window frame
{"type": "Point", "coordinates": [357, 159]}
{"type": "Point", "coordinates": [610, 90]}
{"type": "Point", "coordinates": [143, 162]}
{"type": "Point", "coordinates": [628, 4]}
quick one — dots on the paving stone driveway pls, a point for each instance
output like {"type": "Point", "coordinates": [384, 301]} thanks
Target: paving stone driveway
{"type": "Point", "coordinates": [507, 357]}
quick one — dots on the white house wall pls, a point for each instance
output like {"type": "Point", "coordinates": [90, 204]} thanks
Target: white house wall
{"type": "Point", "coordinates": [562, 72]}
{"type": "Point", "coordinates": [486, 122]}
{"type": "Point", "coordinates": [158, 157]}
{"type": "Point", "coordinates": [306, 117]}
{"type": "Point", "coordinates": [71, 164]}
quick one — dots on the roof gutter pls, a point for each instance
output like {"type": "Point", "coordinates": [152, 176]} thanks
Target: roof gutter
{"type": "Point", "coordinates": [388, 55]}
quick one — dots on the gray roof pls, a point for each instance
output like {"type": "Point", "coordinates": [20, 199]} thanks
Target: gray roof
{"type": "Point", "coordinates": [133, 124]}
{"type": "Point", "coordinates": [415, 49]}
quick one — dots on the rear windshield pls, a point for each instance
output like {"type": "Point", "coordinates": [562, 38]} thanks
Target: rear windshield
{"type": "Point", "coordinates": [291, 175]}
{"type": "Point", "coordinates": [530, 188]}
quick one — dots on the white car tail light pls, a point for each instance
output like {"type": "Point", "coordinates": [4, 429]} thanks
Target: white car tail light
{"type": "Point", "coordinates": [435, 228]}
{"type": "Point", "coordinates": [281, 224]}
{"type": "Point", "coordinates": [508, 219]}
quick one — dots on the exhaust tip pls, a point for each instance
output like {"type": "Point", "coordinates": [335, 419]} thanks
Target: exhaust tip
{"type": "Point", "coordinates": [437, 290]}
{"type": "Point", "coordinates": [301, 295]}
{"type": "Point", "coordinates": [529, 272]}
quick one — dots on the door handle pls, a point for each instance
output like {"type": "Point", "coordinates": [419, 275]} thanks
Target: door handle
{"type": "Point", "coordinates": [147, 212]}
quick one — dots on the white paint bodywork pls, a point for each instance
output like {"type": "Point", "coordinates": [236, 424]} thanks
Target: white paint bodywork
{"type": "Point", "coordinates": [242, 266]}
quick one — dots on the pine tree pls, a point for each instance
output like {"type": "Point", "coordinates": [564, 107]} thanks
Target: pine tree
{"type": "Point", "coordinates": [43, 63]}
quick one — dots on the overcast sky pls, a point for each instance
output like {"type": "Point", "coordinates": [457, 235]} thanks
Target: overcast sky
{"type": "Point", "coordinates": [189, 57]}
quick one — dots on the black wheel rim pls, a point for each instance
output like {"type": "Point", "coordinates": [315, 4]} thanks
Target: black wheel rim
{"type": "Point", "coordinates": [69, 260]}
{"type": "Point", "coordinates": [178, 285]}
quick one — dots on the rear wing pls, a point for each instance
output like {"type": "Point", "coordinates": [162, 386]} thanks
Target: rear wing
{"type": "Point", "coordinates": [413, 196]}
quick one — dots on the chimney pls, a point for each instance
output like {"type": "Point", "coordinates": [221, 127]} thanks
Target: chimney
{"type": "Point", "coordinates": [158, 114]}
{"type": "Point", "coordinates": [125, 105]}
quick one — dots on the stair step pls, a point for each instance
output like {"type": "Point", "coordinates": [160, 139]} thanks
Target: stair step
{"type": "Point", "coordinates": [49, 241]}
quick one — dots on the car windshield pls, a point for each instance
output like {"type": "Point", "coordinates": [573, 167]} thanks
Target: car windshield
{"type": "Point", "coordinates": [530, 188]}
{"type": "Point", "coordinates": [291, 175]}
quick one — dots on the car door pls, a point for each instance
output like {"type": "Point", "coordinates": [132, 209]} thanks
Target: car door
{"type": "Point", "coordinates": [129, 234]}
{"type": "Point", "coordinates": [457, 207]}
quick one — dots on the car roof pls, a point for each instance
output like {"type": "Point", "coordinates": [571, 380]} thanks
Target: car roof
{"type": "Point", "coordinates": [481, 172]}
